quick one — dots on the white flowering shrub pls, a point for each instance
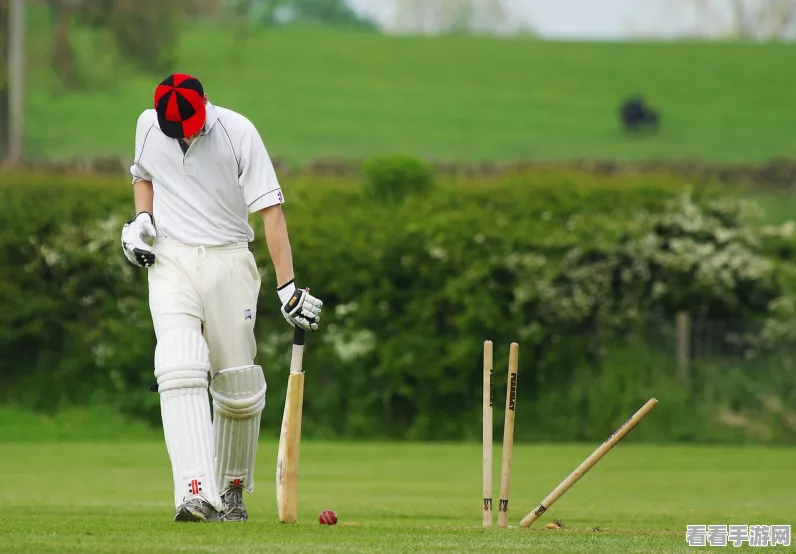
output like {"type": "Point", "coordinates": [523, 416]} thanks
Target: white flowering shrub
{"type": "Point", "coordinates": [411, 290]}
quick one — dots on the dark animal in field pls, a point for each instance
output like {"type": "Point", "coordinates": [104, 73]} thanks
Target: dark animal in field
{"type": "Point", "coordinates": [637, 116]}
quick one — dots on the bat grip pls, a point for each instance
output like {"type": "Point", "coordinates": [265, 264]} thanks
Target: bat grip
{"type": "Point", "coordinates": [298, 336]}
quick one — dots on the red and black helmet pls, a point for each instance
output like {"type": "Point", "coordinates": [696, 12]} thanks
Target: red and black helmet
{"type": "Point", "coordinates": [180, 105]}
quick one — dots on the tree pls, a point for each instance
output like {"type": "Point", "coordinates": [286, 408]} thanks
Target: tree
{"type": "Point", "coordinates": [745, 19]}
{"type": "Point", "coordinates": [455, 16]}
{"type": "Point", "coordinates": [280, 12]}
{"type": "Point", "coordinates": [271, 13]}
{"type": "Point", "coordinates": [204, 8]}
{"type": "Point", "coordinates": [62, 54]}
{"type": "Point", "coordinates": [144, 32]}
{"type": "Point", "coordinates": [5, 38]}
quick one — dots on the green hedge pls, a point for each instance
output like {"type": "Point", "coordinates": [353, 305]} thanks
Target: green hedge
{"type": "Point", "coordinates": [563, 263]}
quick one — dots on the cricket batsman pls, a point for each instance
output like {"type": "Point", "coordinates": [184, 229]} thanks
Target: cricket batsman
{"type": "Point", "coordinates": [199, 171]}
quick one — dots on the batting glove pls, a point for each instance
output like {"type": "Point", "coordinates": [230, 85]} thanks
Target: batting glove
{"type": "Point", "coordinates": [299, 307]}
{"type": "Point", "coordinates": [135, 249]}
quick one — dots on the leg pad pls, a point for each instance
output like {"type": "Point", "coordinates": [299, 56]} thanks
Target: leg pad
{"type": "Point", "coordinates": [181, 368]}
{"type": "Point", "coordinates": [238, 401]}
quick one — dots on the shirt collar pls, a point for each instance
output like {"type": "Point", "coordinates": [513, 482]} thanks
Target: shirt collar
{"type": "Point", "coordinates": [211, 116]}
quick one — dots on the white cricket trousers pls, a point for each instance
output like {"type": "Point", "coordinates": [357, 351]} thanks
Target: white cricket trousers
{"type": "Point", "coordinates": [213, 289]}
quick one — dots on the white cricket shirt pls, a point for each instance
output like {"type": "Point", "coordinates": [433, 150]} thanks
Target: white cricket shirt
{"type": "Point", "coordinates": [204, 197]}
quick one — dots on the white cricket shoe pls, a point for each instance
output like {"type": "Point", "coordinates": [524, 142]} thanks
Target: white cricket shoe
{"type": "Point", "coordinates": [234, 509]}
{"type": "Point", "coordinates": [198, 509]}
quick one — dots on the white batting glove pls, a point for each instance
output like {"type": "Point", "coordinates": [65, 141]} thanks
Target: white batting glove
{"type": "Point", "coordinates": [137, 251]}
{"type": "Point", "coordinates": [299, 307]}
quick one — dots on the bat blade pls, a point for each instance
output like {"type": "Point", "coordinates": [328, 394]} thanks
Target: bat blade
{"type": "Point", "coordinates": [287, 463]}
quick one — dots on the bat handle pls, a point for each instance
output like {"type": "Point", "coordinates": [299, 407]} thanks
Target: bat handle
{"type": "Point", "coordinates": [298, 336]}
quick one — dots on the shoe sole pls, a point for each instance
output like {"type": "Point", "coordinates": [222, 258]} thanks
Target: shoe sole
{"type": "Point", "coordinates": [186, 515]}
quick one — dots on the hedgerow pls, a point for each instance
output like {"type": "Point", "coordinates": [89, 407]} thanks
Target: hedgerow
{"type": "Point", "coordinates": [563, 263]}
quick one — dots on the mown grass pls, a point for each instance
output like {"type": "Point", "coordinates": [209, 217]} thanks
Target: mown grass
{"type": "Point", "coordinates": [322, 92]}
{"type": "Point", "coordinates": [776, 206]}
{"type": "Point", "coordinates": [116, 497]}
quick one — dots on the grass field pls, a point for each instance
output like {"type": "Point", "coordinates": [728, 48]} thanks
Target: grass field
{"type": "Point", "coordinates": [320, 92]}
{"type": "Point", "coordinates": [776, 207]}
{"type": "Point", "coordinates": [116, 497]}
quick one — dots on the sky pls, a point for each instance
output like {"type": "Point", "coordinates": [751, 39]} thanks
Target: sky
{"type": "Point", "coordinates": [589, 19]}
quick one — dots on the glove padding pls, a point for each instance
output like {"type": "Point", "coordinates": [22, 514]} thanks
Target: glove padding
{"type": "Point", "coordinates": [299, 307]}
{"type": "Point", "coordinates": [135, 249]}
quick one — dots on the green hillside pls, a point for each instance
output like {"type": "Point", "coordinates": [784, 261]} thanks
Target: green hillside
{"type": "Point", "coordinates": [322, 92]}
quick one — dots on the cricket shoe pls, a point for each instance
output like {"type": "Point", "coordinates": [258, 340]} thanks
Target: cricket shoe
{"type": "Point", "coordinates": [198, 509]}
{"type": "Point", "coordinates": [234, 509]}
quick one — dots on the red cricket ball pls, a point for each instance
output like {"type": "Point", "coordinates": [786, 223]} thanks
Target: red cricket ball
{"type": "Point", "coordinates": [327, 517]}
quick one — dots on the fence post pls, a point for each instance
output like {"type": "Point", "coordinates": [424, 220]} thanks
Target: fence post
{"type": "Point", "coordinates": [683, 344]}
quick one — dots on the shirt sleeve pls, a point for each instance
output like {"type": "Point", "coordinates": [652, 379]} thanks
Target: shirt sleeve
{"type": "Point", "coordinates": [142, 130]}
{"type": "Point", "coordinates": [257, 176]}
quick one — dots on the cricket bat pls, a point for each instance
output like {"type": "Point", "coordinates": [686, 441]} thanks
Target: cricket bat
{"type": "Point", "coordinates": [287, 462]}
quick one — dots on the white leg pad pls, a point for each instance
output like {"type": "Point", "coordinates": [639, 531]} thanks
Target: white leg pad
{"type": "Point", "coordinates": [182, 363]}
{"type": "Point", "coordinates": [238, 401]}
